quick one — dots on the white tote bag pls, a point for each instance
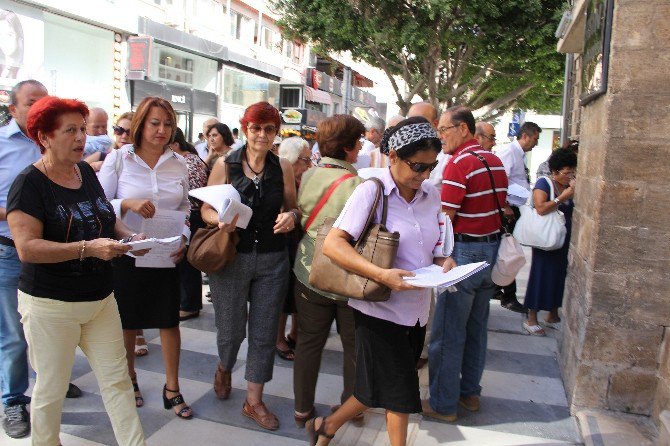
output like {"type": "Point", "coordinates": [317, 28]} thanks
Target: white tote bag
{"type": "Point", "coordinates": [545, 232]}
{"type": "Point", "coordinates": [509, 262]}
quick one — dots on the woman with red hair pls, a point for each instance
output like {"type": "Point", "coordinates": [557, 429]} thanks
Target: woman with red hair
{"type": "Point", "coordinates": [259, 274]}
{"type": "Point", "coordinates": [65, 233]}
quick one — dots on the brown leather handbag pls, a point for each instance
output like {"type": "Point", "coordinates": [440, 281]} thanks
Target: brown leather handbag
{"type": "Point", "coordinates": [211, 249]}
{"type": "Point", "coordinates": [375, 244]}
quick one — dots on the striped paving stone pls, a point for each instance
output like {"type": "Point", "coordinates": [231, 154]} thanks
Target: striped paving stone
{"type": "Point", "coordinates": [523, 400]}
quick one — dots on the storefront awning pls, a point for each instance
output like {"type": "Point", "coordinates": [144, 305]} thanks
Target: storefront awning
{"type": "Point", "coordinates": [320, 96]}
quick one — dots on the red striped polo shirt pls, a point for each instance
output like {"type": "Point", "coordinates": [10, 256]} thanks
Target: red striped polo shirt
{"type": "Point", "coordinates": [466, 187]}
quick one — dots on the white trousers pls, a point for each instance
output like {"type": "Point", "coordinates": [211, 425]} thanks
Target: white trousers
{"type": "Point", "coordinates": [53, 330]}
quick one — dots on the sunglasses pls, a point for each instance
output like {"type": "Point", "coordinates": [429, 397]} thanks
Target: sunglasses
{"type": "Point", "coordinates": [268, 129]}
{"type": "Point", "coordinates": [421, 167]}
{"type": "Point", "coordinates": [118, 130]}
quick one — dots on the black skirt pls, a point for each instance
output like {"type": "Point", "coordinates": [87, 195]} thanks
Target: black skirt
{"type": "Point", "coordinates": [386, 356]}
{"type": "Point", "coordinates": [147, 297]}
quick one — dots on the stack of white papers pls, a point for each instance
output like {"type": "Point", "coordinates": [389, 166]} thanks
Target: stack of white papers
{"type": "Point", "coordinates": [432, 276]}
{"type": "Point", "coordinates": [227, 202]}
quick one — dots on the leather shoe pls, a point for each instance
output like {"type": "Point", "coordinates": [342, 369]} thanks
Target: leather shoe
{"type": "Point", "coordinates": [470, 403]}
{"type": "Point", "coordinates": [73, 391]}
{"type": "Point", "coordinates": [222, 383]}
{"type": "Point", "coordinates": [428, 411]}
{"type": "Point", "coordinates": [513, 305]}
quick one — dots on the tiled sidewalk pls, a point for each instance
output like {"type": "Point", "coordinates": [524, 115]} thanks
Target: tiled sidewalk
{"type": "Point", "coordinates": [523, 401]}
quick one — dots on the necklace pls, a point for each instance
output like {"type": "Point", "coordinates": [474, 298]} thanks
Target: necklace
{"type": "Point", "coordinates": [257, 175]}
{"type": "Point", "coordinates": [74, 167]}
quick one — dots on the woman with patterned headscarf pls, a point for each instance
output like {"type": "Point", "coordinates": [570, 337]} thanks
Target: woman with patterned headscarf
{"type": "Point", "coordinates": [390, 334]}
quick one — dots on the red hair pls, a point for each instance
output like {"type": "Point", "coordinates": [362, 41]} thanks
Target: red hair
{"type": "Point", "coordinates": [44, 115]}
{"type": "Point", "coordinates": [260, 113]}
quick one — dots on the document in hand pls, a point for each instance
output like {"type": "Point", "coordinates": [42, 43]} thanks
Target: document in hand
{"type": "Point", "coordinates": [152, 242]}
{"type": "Point", "coordinates": [432, 276]}
{"type": "Point", "coordinates": [227, 202]}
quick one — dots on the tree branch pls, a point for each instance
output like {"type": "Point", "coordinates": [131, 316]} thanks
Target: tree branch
{"type": "Point", "coordinates": [503, 101]}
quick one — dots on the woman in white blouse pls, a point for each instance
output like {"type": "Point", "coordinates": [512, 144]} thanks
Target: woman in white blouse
{"type": "Point", "coordinates": [150, 177]}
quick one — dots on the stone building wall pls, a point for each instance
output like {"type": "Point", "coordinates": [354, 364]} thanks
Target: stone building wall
{"type": "Point", "coordinates": [615, 350]}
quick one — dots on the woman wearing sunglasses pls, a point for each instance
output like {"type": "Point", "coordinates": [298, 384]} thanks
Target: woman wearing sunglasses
{"type": "Point", "coordinates": [121, 138]}
{"type": "Point", "coordinates": [258, 277]}
{"type": "Point", "coordinates": [66, 233]}
{"type": "Point", "coordinates": [389, 335]}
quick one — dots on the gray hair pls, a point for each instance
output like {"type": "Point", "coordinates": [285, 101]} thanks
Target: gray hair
{"type": "Point", "coordinates": [375, 122]}
{"type": "Point", "coordinates": [18, 86]}
{"type": "Point", "coordinates": [290, 148]}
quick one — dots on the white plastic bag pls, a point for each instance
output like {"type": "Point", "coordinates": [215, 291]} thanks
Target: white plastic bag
{"type": "Point", "coordinates": [509, 262]}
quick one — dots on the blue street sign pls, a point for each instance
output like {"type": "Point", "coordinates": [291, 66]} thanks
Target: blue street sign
{"type": "Point", "coordinates": [513, 129]}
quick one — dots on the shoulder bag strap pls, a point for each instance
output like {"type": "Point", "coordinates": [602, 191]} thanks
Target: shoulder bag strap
{"type": "Point", "coordinates": [493, 188]}
{"type": "Point", "coordinates": [373, 210]}
{"type": "Point", "coordinates": [552, 192]}
{"type": "Point", "coordinates": [325, 198]}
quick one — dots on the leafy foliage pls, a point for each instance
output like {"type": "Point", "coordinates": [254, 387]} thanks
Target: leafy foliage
{"type": "Point", "coordinates": [488, 54]}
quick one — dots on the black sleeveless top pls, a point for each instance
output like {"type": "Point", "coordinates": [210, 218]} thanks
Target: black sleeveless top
{"type": "Point", "coordinates": [265, 201]}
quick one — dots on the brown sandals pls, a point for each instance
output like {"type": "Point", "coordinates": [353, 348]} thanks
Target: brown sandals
{"type": "Point", "coordinates": [266, 419]}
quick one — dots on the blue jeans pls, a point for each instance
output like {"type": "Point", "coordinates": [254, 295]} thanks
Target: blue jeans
{"type": "Point", "coordinates": [457, 351]}
{"type": "Point", "coordinates": [13, 355]}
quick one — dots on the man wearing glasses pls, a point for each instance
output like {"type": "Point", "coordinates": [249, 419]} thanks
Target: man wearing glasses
{"type": "Point", "coordinates": [513, 157]}
{"type": "Point", "coordinates": [470, 195]}
{"type": "Point", "coordinates": [485, 134]}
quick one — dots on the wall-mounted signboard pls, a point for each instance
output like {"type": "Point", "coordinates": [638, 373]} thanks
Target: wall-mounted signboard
{"type": "Point", "coordinates": [595, 58]}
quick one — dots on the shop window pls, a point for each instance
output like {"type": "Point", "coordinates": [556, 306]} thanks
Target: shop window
{"type": "Point", "coordinates": [244, 89]}
{"type": "Point", "coordinates": [176, 69]}
{"type": "Point", "coordinates": [290, 97]}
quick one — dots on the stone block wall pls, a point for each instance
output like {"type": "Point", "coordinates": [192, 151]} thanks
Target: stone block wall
{"type": "Point", "coordinates": [615, 353]}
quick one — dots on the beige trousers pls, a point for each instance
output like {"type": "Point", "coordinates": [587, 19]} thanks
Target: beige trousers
{"type": "Point", "coordinates": [53, 330]}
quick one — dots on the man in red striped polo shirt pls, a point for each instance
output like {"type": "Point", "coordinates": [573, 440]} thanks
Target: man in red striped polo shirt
{"type": "Point", "coordinates": [457, 352]}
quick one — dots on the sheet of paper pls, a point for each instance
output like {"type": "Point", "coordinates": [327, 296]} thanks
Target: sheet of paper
{"type": "Point", "coordinates": [163, 224]}
{"type": "Point", "coordinates": [445, 245]}
{"type": "Point", "coordinates": [517, 195]}
{"type": "Point", "coordinates": [432, 276]}
{"type": "Point", "coordinates": [152, 242]}
{"type": "Point", "coordinates": [227, 202]}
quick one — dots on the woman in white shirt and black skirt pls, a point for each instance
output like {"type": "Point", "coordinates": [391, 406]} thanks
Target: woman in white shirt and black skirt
{"type": "Point", "coordinates": [150, 176]}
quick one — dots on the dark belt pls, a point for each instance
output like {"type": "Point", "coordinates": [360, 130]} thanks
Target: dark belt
{"type": "Point", "coordinates": [6, 241]}
{"type": "Point", "coordinates": [480, 239]}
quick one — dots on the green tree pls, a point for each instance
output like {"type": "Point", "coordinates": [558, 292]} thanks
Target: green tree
{"type": "Point", "coordinates": [490, 55]}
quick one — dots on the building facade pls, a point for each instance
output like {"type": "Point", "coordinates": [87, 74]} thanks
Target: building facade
{"type": "Point", "coordinates": [615, 351]}
{"type": "Point", "coordinates": [207, 57]}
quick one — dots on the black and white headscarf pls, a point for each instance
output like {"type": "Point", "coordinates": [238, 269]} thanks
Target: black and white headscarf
{"type": "Point", "coordinates": [395, 138]}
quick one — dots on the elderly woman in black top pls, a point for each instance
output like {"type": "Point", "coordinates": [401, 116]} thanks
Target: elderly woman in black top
{"type": "Point", "coordinates": [259, 273]}
{"type": "Point", "coordinates": [65, 230]}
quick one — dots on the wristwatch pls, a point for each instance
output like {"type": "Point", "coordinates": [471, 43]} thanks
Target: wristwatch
{"type": "Point", "coordinates": [557, 201]}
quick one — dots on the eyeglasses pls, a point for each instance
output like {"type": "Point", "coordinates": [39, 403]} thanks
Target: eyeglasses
{"type": "Point", "coordinates": [268, 129]}
{"type": "Point", "coordinates": [421, 167]}
{"type": "Point", "coordinates": [305, 159]}
{"type": "Point", "coordinates": [567, 173]}
{"type": "Point", "coordinates": [118, 130]}
{"type": "Point", "coordinates": [443, 130]}
{"type": "Point", "coordinates": [489, 137]}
